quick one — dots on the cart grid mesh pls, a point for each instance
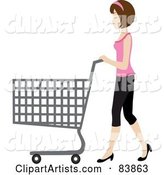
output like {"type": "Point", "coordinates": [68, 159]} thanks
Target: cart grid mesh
{"type": "Point", "coordinates": [50, 102]}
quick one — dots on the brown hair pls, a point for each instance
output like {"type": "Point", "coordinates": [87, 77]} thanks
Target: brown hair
{"type": "Point", "coordinates": [126, 12]}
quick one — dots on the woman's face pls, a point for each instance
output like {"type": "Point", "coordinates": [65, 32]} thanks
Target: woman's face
{"type": "Point", "coordinates": [116, 20]}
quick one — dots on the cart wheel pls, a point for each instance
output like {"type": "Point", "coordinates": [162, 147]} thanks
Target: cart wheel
{"type": "Point", "coordinates": [75, 158]}
{"type": "Point", "coordinates": [36, 158]}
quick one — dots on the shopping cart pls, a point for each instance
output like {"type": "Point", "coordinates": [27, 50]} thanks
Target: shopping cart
{"type": "Point", "coordinates": [54, 103]}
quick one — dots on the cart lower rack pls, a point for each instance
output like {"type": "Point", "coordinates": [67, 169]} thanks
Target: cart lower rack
{"type": "Point", "coordinates": [54, 103]}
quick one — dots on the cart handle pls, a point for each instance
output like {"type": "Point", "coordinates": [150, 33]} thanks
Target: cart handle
{"type": "Point", "coordinates": [98, 61]}
{"type": "Point", "coordinates": [93, 68]}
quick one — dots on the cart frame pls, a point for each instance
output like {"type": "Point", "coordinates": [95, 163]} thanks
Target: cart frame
{"type": "Point", "coordinates": [36, 155]}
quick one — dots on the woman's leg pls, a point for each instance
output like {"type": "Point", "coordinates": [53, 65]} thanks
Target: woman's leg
{"type": "Point", "coordinates": [128, 113]}
{"type": "Point", "coordinates": [118, 101]}
{"type": "Point", "coordinates": [137, 130]}
{"type": "Point", "coordinates": [114, 135]}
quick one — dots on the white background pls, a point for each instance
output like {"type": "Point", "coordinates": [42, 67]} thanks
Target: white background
{"type": "Point", "coordinates": [34, 54]}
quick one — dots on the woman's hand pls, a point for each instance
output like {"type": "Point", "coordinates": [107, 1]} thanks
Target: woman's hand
{"type": "Point", "coordinates": [104, 58]}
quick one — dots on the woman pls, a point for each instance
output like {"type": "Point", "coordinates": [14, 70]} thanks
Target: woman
{"type": "Point", "coordinates": [123, 16]}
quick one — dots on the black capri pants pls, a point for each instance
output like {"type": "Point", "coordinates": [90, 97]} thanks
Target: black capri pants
{"type": "Point", "coordinates": [123, 98]}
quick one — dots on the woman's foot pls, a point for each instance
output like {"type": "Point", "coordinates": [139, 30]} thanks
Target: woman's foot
{"type": "Point", "coordinates": [144, 149]}
{"type": "Point", "coordinates": [145, 153]}
{"type": "Point", "coordinates": [108, 155]}
{"type": "Point", "coordinates": [103, 160]}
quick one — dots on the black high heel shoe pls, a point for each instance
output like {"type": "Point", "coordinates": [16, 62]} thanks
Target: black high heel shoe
{"type": "Point", "coordinates": [148, 149]}
{"type": "Point", "coordinates": [103, 160]}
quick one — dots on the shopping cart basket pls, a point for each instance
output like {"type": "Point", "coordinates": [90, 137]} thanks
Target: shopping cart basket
{"type": "Point", "coordinates": [54, 103]}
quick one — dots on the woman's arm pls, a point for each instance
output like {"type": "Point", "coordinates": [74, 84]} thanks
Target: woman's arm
{"type": "Point", "coordinates": [121, 64]}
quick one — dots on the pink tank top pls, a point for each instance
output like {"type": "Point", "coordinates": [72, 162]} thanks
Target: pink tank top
{"type": "Point", "coordinates": [119, 45]}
